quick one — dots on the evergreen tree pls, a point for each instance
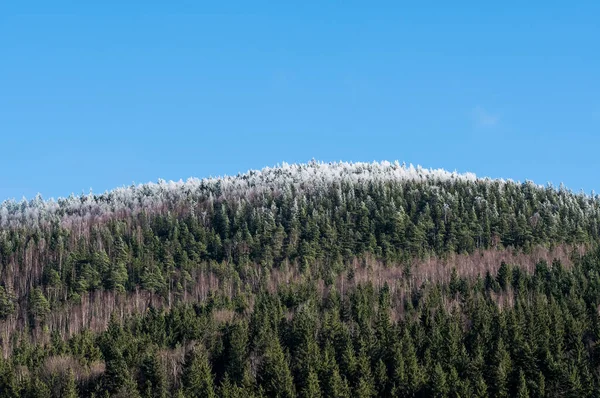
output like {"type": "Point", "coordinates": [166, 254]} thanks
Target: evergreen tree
{"type": "Point", "coordinates": [228, 389]}
{"type": "Point", "coordinates": [438, 384]}
{"type": "Point", "coordinates": [197, 378]}
{"type": "Point", "coordinates": [154, 377]}
{"type": "Point", "coordinates": [7, 303]}
{"type": "Point", "coordinates": [275, 376]}
{"type": "Point", "coordinates": [500, 370]}
{"type": "Point", "coordinates": [365, 385]}
{"type": "Point", "coordinates": [522, 390]}
{"type": "Point", "coordinates": [311, 387]}
{"type": "Point", "coordinates": [38, 305]}
{"type": "Point", "coordinates": [70, 388]}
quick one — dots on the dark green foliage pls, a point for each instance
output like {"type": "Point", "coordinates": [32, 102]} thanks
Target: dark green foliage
{"type": "Point", "coordinates": [153, 377]}
{"type": "Point", "coordinates": [38, 305]}
{"type": "Point", "coordinates": [197, 378]}
{"type": "Point", "coordinates": [7, 303]}
{"type": "Point", "coordinates": [438, 387]}
{"type": "Point", "coordinates": [70, 388]}
{"type": "Point", "coordinates": [545, 343]}
{"type": "Point", "coordinates": [274, 376]}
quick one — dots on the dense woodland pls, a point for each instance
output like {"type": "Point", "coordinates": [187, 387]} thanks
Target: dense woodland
{"type": "Point", "coordinates": [311, 280]}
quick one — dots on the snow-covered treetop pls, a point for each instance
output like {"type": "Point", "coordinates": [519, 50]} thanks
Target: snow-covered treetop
{"type": "Point", "coordinates": [312, 176]}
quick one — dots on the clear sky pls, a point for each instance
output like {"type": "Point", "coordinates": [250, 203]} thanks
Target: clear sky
{"type": "Point", "coordinates": [99, 96]}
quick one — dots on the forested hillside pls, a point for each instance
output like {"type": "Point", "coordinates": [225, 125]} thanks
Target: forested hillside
{"type": "Point", "coordinates": [311, 280]}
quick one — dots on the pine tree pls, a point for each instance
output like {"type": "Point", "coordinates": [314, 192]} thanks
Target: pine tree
{"type": "Point", "coordinates": [522, 390]}
{"type": "Point", "coordinates": [438, 383]}
{"type": "Point", "coordinates": [118, 380]}
{"type": "Point", "coordinates": [541, 385]}
{"type": "Point", "coordinates": [500, 371]}
{"type": "Point", "coordinates": [348, 360]}
{"type": "Point", "coordinates": [275, 376]}
{"type": "Point", "coordinates": [39, 389]}
{"type": "Point", "coordinates": [414, 374]}
{"type": "Point", "coordinates": [333, 385]}
{"type": "Point", "coordinates": [398, 380]}
{"type": "Point", "coordinates": [365, 386]}
{"type": "Point", "coordinates": [504, 274]}
{"type": "Point", "coordinates": [38, 305]}
{"type": "Point", "coordinates": [228, 389]}
{"type": "Point", "coordinates": [337, 386]}
{"type": "Point", "coordinates": [574, 386]}
{"type": "Point", "coordinates": [197, 377]}
{"type": "Point", "coordinates": [311, 387]}
{"type": "Point", "coordinates": [236, 346]}
{"type": "Point", "coordinates": [8, 380]}
{"type": "Point", "coordinates": [7, 303]}
{"type": "Point", "coordinates": [154, 376]}
{"type": "Point", "coordinates": [381, 378]}
{"type": "Point", "coordinates": [70, 388]}
{"type": "Point", "coordinates": [480, 388]}
{"type": "Point", "coordinates": [151, 278]}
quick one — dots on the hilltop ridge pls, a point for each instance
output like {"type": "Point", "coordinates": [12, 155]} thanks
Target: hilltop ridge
{"type": "Point", "coordinates": [311, 176]}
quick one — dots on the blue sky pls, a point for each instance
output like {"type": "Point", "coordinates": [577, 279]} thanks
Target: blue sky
{"type": "Point", "coordinates": [99, 96]}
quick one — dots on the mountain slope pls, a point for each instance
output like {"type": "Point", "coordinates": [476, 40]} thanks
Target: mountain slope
{"type": "Point", "coordinates": [288, 237]}
{"type": "Point", "coordinates": [165, 238]}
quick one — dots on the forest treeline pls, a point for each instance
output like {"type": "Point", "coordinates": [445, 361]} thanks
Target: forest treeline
{"type": "Point", "coordinates": [270, 271]}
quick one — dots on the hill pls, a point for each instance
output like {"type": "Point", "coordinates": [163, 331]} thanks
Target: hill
{"type": "Point", "coordinates": [313, 280]}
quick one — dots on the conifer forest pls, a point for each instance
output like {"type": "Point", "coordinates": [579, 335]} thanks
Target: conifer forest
{"type": "Point", "coordinates": [304, 280]}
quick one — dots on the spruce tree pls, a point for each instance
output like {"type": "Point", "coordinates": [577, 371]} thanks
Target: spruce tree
{"type": "Point", "coordinates": [500, 370]}
{"type": "Point", "coordinates": [154, 376]}
{"type": "Point", "coordinates": [522, 390]}
{"type": "Point", "coordinates": [70, 388]}
{"type": "Point", "coordinates": [311, 387]}
{"type": "Point", "coordinates": [438, 382]}
{"type": "Point", "coordinates": [197, 378]}
{"type": "Point", "coordinates": [274, 375]}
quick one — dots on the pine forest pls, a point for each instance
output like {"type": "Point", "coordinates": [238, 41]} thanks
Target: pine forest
{"type": "Point", "coordinates": [303, 280]}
